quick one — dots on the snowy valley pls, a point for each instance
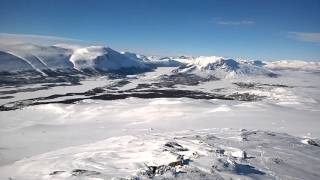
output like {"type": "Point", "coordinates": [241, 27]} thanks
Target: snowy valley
{"type": "Point", "coordinates": [91, 112]}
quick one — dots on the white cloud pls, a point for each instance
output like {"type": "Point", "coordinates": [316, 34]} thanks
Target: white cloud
{"type": "Point", "coordinates": [10, 39]}
{"type": "Point", "coordinates": [304, 36]}
{"type": "Point", "coordinates": [235, 23]}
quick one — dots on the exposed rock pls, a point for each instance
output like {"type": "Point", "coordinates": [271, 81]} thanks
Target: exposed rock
{"type": "Point", "coordinates": [174, 146]}
{"type": "Point", "coordinates": [310, 142]}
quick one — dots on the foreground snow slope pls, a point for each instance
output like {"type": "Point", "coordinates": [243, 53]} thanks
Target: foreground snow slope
{"type": "Point", "coordinates": [205, 154]}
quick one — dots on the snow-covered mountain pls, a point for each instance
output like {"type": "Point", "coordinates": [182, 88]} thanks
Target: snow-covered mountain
{"type": "Point", "coordinates": [40, 57]}
{"type": "Point", "coordinates": [155, 61]}
{"type": "Point", "coordinates": [64, 59]}
{"type": "Point", "coordinates": [104, 59]}
{"type": "Point", "coordinates": [220, 67]}
{"type": "Point", "coordinates": [29, 57]}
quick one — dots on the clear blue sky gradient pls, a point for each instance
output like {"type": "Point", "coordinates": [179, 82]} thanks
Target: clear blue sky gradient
{"type": "Point", "coordinates": [262, 29]}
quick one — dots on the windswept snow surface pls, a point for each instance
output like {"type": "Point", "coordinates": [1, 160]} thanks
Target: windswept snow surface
{"type": "Point", "coordinates": [205, 154]}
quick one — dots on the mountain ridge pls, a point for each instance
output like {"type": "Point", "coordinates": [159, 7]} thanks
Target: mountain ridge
{"type": "Point", "coordinates": [76, 61]}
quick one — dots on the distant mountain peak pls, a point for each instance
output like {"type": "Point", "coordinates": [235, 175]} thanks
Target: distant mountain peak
{"type": "Point", "coordinates": [220, 67]}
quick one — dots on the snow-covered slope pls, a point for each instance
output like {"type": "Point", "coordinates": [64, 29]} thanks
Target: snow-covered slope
{"type": "Point", "coordinates": [220, 67]}
{"type": "Point", "coordinates": [10, 62]}
{"type": "Point", "coordinates": [206, 154]}
{"type": "Point", "coordinates": [42, 57]}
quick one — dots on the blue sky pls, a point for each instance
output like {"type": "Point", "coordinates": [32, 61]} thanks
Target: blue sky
{"type": "Point", "coordinates": [262, 29]}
